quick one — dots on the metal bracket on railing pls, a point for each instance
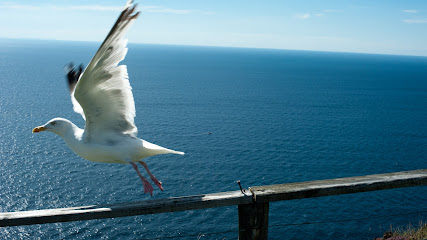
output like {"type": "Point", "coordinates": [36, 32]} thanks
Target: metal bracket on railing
{"type": "Point", "coordinates": [244, 191]}
{"type": "Point", "coordinates": [253, 194]}
{"type": "Point", "coordinates": [241, 189]}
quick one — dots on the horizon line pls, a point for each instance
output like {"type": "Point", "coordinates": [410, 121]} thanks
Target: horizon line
{"type": "Point", "coordinates": [221, 46]}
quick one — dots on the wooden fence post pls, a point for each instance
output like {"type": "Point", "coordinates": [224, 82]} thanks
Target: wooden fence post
{"type": "Point", "coordinates": [253, 221]}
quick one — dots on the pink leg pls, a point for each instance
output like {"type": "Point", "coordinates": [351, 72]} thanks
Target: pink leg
{"type": "Point", "coordinates": [153, 178]}
{"type": "Point", "coordinates": [147, 186]}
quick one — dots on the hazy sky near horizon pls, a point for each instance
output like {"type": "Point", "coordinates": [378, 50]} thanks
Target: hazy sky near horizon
{"type": "Point", "coordinates": [386, 26]}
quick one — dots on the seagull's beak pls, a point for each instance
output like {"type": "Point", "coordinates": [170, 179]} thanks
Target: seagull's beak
{"type": "Point", "coordinates": [39, 129]}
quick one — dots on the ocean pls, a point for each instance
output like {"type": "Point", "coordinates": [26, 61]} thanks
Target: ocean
{"type": "Point", "coordinates": [260, 116]}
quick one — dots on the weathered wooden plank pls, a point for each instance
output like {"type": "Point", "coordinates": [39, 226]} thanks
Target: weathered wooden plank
{"type": "Point", "coordinates": [124, 209]}
{"type": "Point", "coordinates": [321, 188]}
{"type": "Point", "coordinates": [268, 193]}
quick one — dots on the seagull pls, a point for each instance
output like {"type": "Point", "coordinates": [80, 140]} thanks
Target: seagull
{"type": "Point", "coordinates": [102, 94]}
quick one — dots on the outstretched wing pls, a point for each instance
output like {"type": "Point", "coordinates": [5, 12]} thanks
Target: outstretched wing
{"type": "Point", "coordinates": [103, 90]}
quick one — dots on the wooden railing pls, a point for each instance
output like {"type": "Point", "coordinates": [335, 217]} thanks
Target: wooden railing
{"type": "Point", "coordinates": [253, 204]}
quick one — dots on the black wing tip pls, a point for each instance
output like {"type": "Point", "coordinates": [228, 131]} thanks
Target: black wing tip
{"type": "Point", "coordinates": [130, 9]}
{"type": "Point", "coordinates": [73, 75]}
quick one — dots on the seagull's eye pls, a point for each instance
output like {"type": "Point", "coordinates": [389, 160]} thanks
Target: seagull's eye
{"type": "Point", "coordinates": [53, 123]}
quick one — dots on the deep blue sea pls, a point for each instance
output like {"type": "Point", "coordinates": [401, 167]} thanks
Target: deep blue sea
{"type": "Point", "coordinates": [276, 116]}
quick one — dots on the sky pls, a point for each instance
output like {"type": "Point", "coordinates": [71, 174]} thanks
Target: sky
{"type": "Point", "coordinates": [363, 26]}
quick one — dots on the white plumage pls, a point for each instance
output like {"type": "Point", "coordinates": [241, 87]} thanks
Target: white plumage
{"type": "Point", "coordinates": [103, 96]}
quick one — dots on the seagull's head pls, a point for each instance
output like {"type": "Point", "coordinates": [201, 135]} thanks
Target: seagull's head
{"type": "Point", "coordinates": [56, 125]}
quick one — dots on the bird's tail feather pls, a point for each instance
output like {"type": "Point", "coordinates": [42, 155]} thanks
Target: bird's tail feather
{"type": "Point", "coordinates": [153, 149]}
{"type": "Point", "coordinates": [177, 152]}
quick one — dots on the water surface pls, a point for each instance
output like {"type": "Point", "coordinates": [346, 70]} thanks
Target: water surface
{"type": "Point", "coordinates": [275, 116]}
